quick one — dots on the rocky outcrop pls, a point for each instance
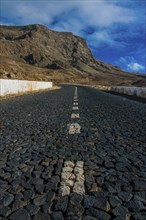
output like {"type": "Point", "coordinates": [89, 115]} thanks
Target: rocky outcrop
{"type": "Point", "coordinates": [38, 46]}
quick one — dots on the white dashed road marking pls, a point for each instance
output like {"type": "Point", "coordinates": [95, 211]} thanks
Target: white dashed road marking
{"type": "Point", "coordinates": [72, 178]}
{"type": "Point", "coordinates": [76, 93]}
{"type": "Point", "coordinates": [74, 115]}
{"type": "Point", "coordinates": [75, 108]}
{"type": "Point", "coordinates": [74, 128]}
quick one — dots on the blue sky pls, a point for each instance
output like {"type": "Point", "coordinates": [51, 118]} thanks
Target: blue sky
{"type": "Point", "coordinates": [114, 29]}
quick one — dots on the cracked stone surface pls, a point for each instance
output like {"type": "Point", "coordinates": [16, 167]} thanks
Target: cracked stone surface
{"type": "Point", "coordinates": [47, 173]}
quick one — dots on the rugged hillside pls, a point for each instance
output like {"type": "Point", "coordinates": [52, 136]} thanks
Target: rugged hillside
{"type": "Point", "coordinates": [64, 57]}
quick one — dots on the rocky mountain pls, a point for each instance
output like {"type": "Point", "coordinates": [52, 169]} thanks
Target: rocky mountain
{"type": "Point", "coordinates": [35, 52]}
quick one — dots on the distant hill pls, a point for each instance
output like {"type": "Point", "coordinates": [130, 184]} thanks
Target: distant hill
{"type": "Point", "coordinates": [36, 53]}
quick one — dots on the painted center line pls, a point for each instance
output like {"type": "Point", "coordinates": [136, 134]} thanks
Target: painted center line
{"type": "Point", "coordinates": [74, 115]}
{"type": "Point", "coordinates": [74, 128]}
{"type": "Point", "coordinates": [72, 178]}
{"type": "Point", "coordinates": [76, 94]}
{"type": "Point", "coordinates": [75, 108]}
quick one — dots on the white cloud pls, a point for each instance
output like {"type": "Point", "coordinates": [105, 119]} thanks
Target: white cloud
{"type": "Point", "coordinates": [131, 63]}
{"type": "Point", "coordinates": [135, 66]}
{"type": "Point", "coordinates": [95, 13]}
{"type": "Point", "coordinates": [105, 13]}
{"type": "Point", "coordinates": [71, 26]}
{"type": "Point", "coordinates": [105, 37]}
{"type": "Point", "coordinates": [73, 16]}
{"type": "Point", "coordinates": [99, 38]}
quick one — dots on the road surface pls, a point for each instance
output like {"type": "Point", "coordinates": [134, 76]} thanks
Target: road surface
{"type": "Point", "coordinates": [72, 153]}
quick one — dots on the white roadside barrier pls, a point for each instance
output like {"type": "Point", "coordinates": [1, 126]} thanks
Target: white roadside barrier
{"type": "Point", "coordinates": [8, 87]}
{"type": "Point", "coordinates": [137, 91]}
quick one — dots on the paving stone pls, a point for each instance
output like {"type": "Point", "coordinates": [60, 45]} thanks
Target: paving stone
{"type": "Point", "coordinates": [36, 174]}
{"type": "Point", "coordinates": [89, 201]}
{"type": "Point", "coordinates": [127, 188]}
{"type": "Point", "coordinates": [124, 196]}
{"type": "Point", "coordinates": [72, 218]}
{"type": "Point", "coordinates": [19, 196]}
{"type": "Point", "coordinates": [42, 216]}
{"type": "Point", "coordinates": [32, 209]}
{"type": "Point", "coordinates": [5, 211]}
{"type": "Point", "coordinates": [108, 164]}
{"type": "Point", "coordinates": [62, 204]}
{"type": "Point", "coordinates": [102, 204]}
{"type": "Point", "coordinates": [26, 185]}
{"type": "Point", "coordinates": [75, 209]}
{"type": "Point", "coordinates": [120, 210]}
{"type": "Point", "coordinates": [57, 216]}
{"type": "Point", "coordinates": [20, 214]}
{"type": "Point", "coordinates": [115, 201]}
{"type": "Point", "coordinates": [58, 170]}
{"type": "Point", "coordinates": [55, 179]}
{"type": "Point", "coordinates": [28, 194]}
{"type": "Point", "coordinates": [141, 196]}
{"type": "Point", "coordinates": [50, 196]}
{"type": "Point", "coordinates": [40, 200]}
{"type": "Point", "coordinates": [94, 188]}
{"type": "Point", "coordinates": [17, 204]}
{"type": "Point", "coordinates": [75, 197]}
{"type": "Point", "coordinates": [98, 194]}
{"type": "Point", "coordinates": [46, 208]}
{"type": "Point", "coordinates": [89, 180]}
{"type": "Point", "coordinates": [101, 215]}
{"type": "Point", "coordinates": [135, 205]}
{"type": "Point", "coordinates": [45, 163]}
{"type": "Point", "coordinates": [139, 185]}
{"type": "Point", "coordinates": [100, 180]}
{"type": "Point", "coordinates": [39, 168]}
{"type": "Point", "coordinates": [112, 188]}
{"type": "Point", "coordinates": [39, 188]}
{"type": "Point", "coordinates": [90, 218]}
{"type": "Point", "coordinates": [8, 199]}
{"type": "Point", "coordinates": [140, 216]}
{"type": "Point", "coordinates": [37, 181]}
{"type": "Point", "coordinates": [121, 218]}
{"type": "Point", "coordinates": [50, 186]}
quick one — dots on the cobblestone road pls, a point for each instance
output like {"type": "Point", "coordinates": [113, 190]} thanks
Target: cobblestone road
{"type": "Point", "coordinates": [74, 153]}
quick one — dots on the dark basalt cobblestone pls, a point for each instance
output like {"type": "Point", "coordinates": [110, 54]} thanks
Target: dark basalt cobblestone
{"type": "Point", "coordinates": [35, 145]}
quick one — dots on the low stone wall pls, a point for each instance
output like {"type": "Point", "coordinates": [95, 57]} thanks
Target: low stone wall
{"type": "Point", "coordinates": [137, 91]}
{"type": "Point", "coordinates": [102, 87]}
{"type": "Point", "coordinates": [8, 87]}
